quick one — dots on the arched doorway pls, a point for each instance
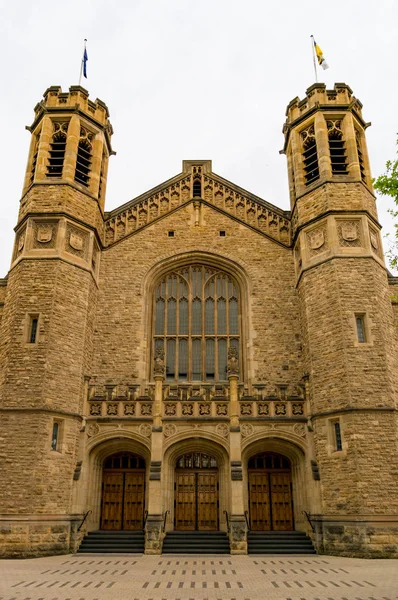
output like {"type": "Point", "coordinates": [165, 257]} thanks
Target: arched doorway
{"type": "Point", "coordinates": [270, 492]}
{"type": "Point", "coordinates": [196, 493]}
{"type": "Point", "coordinates": [123, 492]}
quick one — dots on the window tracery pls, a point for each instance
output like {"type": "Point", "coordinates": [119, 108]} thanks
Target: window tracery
{"type": "Point", "coordinates": [57, 149]}
{"type": "Point", "coordinates": [196, 319]}
{"type": "Point", "coordinates": [310, 155]}
{"type": "Point", "coordinates": [337, 148]}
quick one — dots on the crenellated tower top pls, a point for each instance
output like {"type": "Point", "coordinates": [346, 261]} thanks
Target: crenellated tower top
{"type": "Point", "coordinates": [71, 143]}
{"type": "Point", "coordinates": [325, 140]}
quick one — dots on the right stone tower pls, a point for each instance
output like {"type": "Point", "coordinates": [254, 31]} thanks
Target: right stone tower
{"type": "Point", "coordinates": [349, 339]}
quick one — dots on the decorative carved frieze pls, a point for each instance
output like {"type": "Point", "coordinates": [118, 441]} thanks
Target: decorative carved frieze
{"type": "Point", "coordinates": [251, 210]}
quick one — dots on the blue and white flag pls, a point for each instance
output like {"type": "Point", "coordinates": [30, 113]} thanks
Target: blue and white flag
{"type": "Point", "coordinates": [85, 59]}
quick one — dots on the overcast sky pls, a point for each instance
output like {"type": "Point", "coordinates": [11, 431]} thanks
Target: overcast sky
{"type": "Point", "coordinates": [187, 80]}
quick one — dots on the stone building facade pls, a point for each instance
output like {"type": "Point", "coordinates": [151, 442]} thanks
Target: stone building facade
{"type": "Point", "coordinates": [199, 353]}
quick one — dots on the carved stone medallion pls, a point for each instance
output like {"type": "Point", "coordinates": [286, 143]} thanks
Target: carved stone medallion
{"type": "Point", "coordinates": [169, 429]}
{"type": "Point", "coordinates": [246, 429]}
{"type": "Point", "coordinates": [299, 429]}
{"type": "Point", "coordinates": [93, 429]}
{"type": "Point", "coordinates": [145, 430]}
{"type": "Point", "coordinates": [222, 430]}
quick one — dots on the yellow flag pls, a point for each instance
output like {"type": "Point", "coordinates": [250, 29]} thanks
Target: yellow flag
{"type": "Point", "coordinates": [319, 54]}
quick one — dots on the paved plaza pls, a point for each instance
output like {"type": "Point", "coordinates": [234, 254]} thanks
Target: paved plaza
{"type": "Point", "coordinates": [136, 577]}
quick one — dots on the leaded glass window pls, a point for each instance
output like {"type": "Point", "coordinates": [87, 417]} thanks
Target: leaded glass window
{"type": "Point", "coordinates": [196, 319]}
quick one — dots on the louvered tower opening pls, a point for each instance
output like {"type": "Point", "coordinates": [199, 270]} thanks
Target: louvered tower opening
{"type": "Point", "coordinates": [337, 149]}
{"type": "Point", "coordinates": [34, 159]}
{"type": "Point", "coordinates": [83, 162]}
{"type": "Point", "coordinates": [310, 155]}
{"type": "Point", "coordinates": [57, 150]}
{"type": "Point", "coordinates": [360, 155]}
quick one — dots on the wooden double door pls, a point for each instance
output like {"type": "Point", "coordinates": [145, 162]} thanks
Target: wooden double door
{"type": "Point", "coordinates": [196, 493]}
{"type": "Point", "coordinates": [270, 495]}
{"type": "Point", "coordinates": [123, 496]}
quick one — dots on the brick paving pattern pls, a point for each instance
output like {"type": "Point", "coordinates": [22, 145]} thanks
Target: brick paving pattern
{"type": "Point", "coordinates": [126, 577]}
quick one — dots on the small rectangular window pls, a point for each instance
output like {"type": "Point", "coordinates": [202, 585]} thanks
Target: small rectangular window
{"type": "Point", "coordinates": [171, 234]}
{"type": "Point", "coordinates": [361, 331]}
{"type": "Point", "coordinates": [55, 436]}
{"type": "Point", "coordinates": [337, 435]}
{"type": "Point", "coordinates": [32, 333]}
{"type": "Point", "coordinates": [222, 233]}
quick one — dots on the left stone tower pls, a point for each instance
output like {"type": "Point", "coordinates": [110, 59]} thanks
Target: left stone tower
{"type": "Point", "coordinates": [46, 329]}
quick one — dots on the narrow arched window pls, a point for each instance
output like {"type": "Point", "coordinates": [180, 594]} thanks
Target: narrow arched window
{"type": "Point", "coordinates": [197, 188]}
{"type": "Point", "coordinates": [196, 318]}
{"type": "Point", "coordinates": [56, 155]}
{"type": "Point", "coordinates": [310, 155]}
{"type": "Point", "coordinates": [84, 157]}
{"type": "Point", "coordinates": [338, 158]}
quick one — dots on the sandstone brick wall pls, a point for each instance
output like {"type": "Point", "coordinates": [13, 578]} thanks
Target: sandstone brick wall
{"type": "Point", "coordinates": [49, 199]}
{"type": "Point", "coordinates": [271, 323]}
{"type": "Point", "coordinates": [39, 480]}
{"type": "Point", "coordinates": [346, 375]}
{"type": "Point", "coordinates": [334, 197]}
{"type": "Point", "coordinates": [3, 291]}
{"type": "Point", "coordinates": [42, 382]}
{"type": "Point", "coordinates": [50, 372]}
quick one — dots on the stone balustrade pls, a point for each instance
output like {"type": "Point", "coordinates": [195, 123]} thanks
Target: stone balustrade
{"type": "Point", "coordinates": [196, 401]}
{"type": "Point", "coordinates": [142, 407]}
{"type": "Point", "coordinates": [271, 407]}
{"type": "Point", "coordinates": [211, 401]}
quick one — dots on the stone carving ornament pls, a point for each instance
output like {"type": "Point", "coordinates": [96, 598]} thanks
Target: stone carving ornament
{"type": "Point", "coordinates": [76, 241]}
{"type": "Point", "coordinates": [233, 361]}
{"type": "Point", "coordinates": [95, 409]}
{"type": "Point", "coordinates": [159, 366]}
{"type": "Point", "coordinates": [169, 430]}
{"type": "Point", "coordinates": [299, 429]}
{"type": "Point", "coordinates": [349, 231]}
{"type": "Point", "coordinates": [222, 430]}
{"type": "Point", "coordinates": [92, 429]}
{"type": "Point", "coordinates": [145, 430]}
{"type": "Point", "coordinates": [246, 429]}
{"type": "Point", "coordinates": [44, 233]}
{"type": "Point", "coordinates": [316, 239]}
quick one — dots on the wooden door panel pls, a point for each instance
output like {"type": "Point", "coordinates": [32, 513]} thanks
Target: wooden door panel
{"type": "Point", "coordinates": [112, 501]}
{"type": "Point", "coordinates": [185, 501]}
{"type": "Point", "coordinates": [133, 502]}
{"type": "Point", "coordinates": [260, 510]}
{"type": "Point", "coordinates": [282, 518]}
{"type": "Point", "coordinates": [207, 501]}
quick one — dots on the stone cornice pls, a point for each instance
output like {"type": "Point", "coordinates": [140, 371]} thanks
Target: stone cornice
{"type": "Point", "coordinates": [352, 409]}
{"type": "Point", "coordinates": [29, 409]}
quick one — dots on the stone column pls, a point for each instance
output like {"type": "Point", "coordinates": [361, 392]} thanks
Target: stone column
{"type": "Point", "coordinates": [46, 134]}
{"type": "Point", "coordinates": [349, 137]}
{"type": "Point", "coordinates": [72, 143]}
{"type": "Point", "coordinates": [322, 144]}
{"type": "Point", "coordinates": [98, 145]}
{"type": "Point", "coordinates": [238, 530]}
{"type": "Point", "coordinates": [154, 525]}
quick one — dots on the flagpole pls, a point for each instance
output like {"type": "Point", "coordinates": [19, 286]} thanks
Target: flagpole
{"type": "Point", "coordinates": [313, 58]}
{"type": "Point", "coordinates": [81, 65]}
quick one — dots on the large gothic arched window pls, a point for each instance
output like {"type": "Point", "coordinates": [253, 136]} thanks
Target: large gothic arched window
{"type": "Point", "coordinates": [196, 319]}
